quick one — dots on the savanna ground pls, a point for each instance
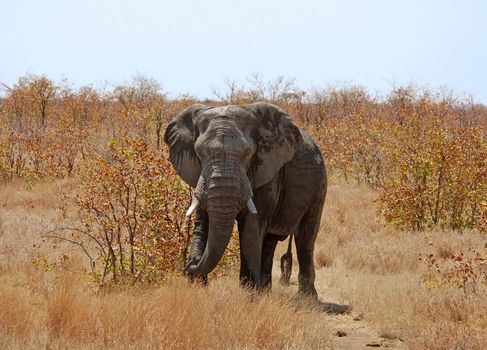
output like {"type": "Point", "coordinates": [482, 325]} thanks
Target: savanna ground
{"type": "Point", "coordinates": [93, 235]}
{"type": "Point", "coordinates": [360, 262]}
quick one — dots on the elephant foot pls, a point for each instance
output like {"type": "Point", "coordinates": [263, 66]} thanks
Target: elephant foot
{"type": "Point", "coordinates": [249, 282]}
{"type": "Point", "coordinates": [203, 280]}
{"type": "Point", "coordinates": [305, 301]}
{"type": "Point", "coordinates": [302, 300]}
{"type": "Point", "coordinates": [265, 283]}
{"type": "Point", "coordinates": [306, 297]}
{"type": "Point", "coordinates": [307, 292]}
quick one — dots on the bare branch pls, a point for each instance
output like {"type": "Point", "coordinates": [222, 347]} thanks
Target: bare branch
{"type": "Point", "coordinates": [73, 242]}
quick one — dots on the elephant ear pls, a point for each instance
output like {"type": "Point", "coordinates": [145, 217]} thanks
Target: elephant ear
{"type": "Point", "coordinates": [277, 140]}
{"type": "Point", "coordinates": [180, 136]}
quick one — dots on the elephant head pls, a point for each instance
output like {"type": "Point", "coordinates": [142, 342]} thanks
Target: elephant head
{"type": "Point", "coordinates": [225, 153]}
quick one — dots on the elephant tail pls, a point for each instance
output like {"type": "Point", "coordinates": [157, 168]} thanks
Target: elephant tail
{"type": "Point", "coordinates": [287, 264]}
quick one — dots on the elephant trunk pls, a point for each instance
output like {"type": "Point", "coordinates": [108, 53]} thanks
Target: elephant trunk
{"type": "Point", "coordinates": [220, 227]}
{"type": "Point", "coordinates": [223, 190]}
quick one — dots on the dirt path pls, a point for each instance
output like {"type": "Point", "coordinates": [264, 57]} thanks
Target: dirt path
{"type": "Point", "coordinates": [349, 329]}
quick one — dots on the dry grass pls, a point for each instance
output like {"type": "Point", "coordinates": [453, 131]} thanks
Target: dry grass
{"type": "Point", "coordinates": [359, 261]}
{"type": "Point", "coordinates": [67, 314]}
{"type": "Point", "coordinates": [378, 271]}
{"type": "Point", "coordinates": [45, 307]}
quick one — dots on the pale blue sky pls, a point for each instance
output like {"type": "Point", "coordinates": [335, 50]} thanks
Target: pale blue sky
{"type": "Point", "coordinates": [191, 46]}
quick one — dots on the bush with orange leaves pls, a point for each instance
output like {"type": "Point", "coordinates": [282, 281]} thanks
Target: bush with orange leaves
{"type": "Point", "coordinates": [131, 205]}
{"type": "Point", "coordinates": [436, 169]}
{"type": "Point", "coordinates": [425, 153]}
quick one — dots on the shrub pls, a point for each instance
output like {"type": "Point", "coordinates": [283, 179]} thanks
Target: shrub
{"type": "Point", "coordinates": [131, 205]}
{"type": "Point", "coordinates": [436, 172]}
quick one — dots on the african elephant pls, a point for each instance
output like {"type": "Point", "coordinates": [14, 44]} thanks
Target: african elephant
{"type": "Point", "coordinates": [249, 163]}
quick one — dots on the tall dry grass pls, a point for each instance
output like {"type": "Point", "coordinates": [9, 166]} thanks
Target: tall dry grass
{"type": "Point", "coordinates": [65, 313]}
{"type": "Point", "coordinates": [382, 273]}
{"type": "Point", "coordinates": [47, 302]}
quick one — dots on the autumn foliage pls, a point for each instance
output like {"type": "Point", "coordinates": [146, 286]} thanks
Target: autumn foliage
{"type": "Point", "coordinates": [425, 152]}
{"type": "Point", "coordinates": [131, 207]}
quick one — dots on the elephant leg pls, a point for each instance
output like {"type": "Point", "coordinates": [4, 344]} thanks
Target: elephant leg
{"type": "Point", "coordinates": [198, 243]}
{"type": "Point", "coordinates": [250, 237]}
{"type": "Point", "coordinates": [268, 248]}
{"type": "Point", "coordinates": [305, 241]}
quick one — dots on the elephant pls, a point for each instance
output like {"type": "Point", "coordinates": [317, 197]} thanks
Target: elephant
{"type": "Point", "coordinates": [250, 164]}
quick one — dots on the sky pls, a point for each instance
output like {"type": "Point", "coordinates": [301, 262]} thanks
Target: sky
{"type": "Point", "coordinates": [191, 46]}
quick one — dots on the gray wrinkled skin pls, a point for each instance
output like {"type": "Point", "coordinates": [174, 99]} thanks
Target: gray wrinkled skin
{"type": "Point", "coordinates": [232, 153]}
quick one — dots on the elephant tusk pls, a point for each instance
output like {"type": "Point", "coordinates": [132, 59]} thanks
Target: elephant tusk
{"type": "Point", "coordinates": [251, 206]}
{"type": "Point", "coordinates": [194, 205]}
